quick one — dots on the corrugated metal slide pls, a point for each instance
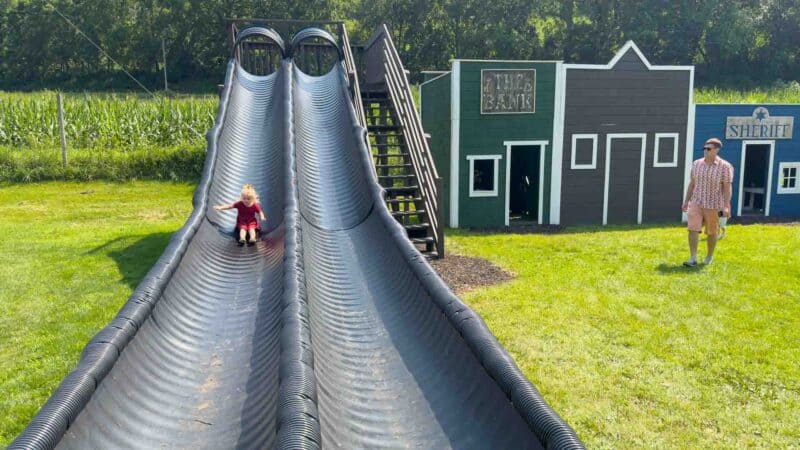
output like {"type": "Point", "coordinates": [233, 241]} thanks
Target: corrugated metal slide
{"type": "Point", "coordinates": [332, 332]}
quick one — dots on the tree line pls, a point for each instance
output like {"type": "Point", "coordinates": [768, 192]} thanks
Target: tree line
{"type": "Point", "coordinates": [737, 43]}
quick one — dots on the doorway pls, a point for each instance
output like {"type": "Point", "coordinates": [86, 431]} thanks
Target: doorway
{"type": "Point", "coordinates": [524, 182]}
{"type": "Point", "coordinates": [624, 178]}
{"type": "Point", "coordinates": [756, 177]}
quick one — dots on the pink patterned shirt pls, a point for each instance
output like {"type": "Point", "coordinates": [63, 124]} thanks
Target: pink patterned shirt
{"type": "Point", "coordinates": [708, 179]}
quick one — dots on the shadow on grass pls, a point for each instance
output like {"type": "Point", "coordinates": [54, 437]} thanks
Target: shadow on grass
{"type": "Point", "coordinates": [134, 255]}
{"type": "Point", "coordinates": [669, 269]}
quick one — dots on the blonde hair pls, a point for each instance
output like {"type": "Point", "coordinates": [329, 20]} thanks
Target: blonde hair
{"type": "Point", "coordinates": [248, 190]}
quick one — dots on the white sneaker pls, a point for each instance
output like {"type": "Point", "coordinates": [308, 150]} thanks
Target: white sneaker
{"type": "Point", "coordinates": [708, 260]}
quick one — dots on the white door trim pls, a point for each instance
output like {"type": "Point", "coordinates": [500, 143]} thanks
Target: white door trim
{"type": "Point", "coordinates": [455, 134]}
{"type": "Point", "coordinates": [542, 149]}
{"type": "Point", "coordinates": [745, 143]}
{"type": "Point", "coordinates": [609, 137]}
{"type": "Point", "coordinates": [558, 144]}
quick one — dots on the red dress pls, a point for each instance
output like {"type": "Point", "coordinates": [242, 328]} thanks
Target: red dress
{"type": "Point", "coordinates": [246, 219]}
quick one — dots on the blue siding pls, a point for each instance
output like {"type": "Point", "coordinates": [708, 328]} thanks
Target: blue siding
{"type": "Point", "coordinates": [710, 122]}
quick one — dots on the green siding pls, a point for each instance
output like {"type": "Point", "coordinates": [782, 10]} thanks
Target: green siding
{"type": "Point", "coordinates": [435, 99]}
{"type": "Point", "coordinates": [484, 135]}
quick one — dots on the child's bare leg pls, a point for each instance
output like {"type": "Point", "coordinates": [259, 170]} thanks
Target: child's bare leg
{"type": "Point", "coordinates": [242, 234]}
{"type": "Point", "coordinates": [252, 232]}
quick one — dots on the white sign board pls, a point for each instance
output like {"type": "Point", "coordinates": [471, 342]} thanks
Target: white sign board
{"type": "Point", "coordinates": [759, 126]}
{"type": "Point", "coordinates": [508, 91]}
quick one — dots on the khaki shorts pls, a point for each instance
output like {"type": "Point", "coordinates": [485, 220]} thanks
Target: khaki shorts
{"type": "Point", "coordinates": [703, 216]}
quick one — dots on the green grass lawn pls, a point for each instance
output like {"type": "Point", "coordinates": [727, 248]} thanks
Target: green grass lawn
{"type": "Point", "coordinates": [634, 350]}
{"type": "Point", "coordinates": [70, 255]}
{"type": "Point", "coordinates": [630, 348]}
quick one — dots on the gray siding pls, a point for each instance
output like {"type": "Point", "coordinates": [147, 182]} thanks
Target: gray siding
{"type": "Point", "coordinates": [625, 99]}
{"type": "Point", "coordinates": [662, 201]}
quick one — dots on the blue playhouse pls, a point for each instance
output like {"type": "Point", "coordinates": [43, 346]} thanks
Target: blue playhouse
{"type": "Point", "coordinates": [764, 148]}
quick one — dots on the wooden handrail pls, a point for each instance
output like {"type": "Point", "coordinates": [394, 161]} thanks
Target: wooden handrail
{"type": "Point", "coordinates": [399, 90]}
{"type": "Point", "coordinates": [352, 78]}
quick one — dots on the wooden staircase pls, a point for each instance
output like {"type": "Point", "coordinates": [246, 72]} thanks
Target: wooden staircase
{"type": "Point", "coordinates": [395, 170]}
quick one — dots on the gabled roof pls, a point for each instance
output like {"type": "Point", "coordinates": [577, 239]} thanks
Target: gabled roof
{"type": "Point", "coordinates": [630, 45]}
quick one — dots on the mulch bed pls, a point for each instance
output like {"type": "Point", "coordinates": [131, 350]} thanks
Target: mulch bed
{"type": "Point", "coordinates": [463, 273]}
{"type": "Point", "coordinates": [520, 229]}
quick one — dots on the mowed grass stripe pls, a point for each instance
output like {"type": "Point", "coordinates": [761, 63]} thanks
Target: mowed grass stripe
{"type": "Point", "coordinates": [70, 256]}
{"type": "Point", "coordinates": [636, 351]}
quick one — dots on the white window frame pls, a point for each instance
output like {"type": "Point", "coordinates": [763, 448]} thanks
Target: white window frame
{"type": "Point", "coordinates": [472, 159]}
{"type": "Point", "coordinates": [575, 166]}
{"type": "Point", "coordinates": [789, 165]}
{"type": "Point", "coordinates": [674, 162]}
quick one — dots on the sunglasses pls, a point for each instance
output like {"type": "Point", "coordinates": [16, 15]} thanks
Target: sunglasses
{"type": "Point", "coordinates": [708, 148]}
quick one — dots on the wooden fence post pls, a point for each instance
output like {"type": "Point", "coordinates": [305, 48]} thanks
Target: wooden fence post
{"type": "Point", "coordinates": [164, 59]}
{"type": "Point", "coordinates": [61, 129]}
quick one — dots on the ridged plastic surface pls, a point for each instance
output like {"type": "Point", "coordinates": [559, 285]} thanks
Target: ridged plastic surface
{"type": "Point", "coordinates": [333, 332]}
{"type": "Point", "coordinates": [391, 370]}
{"type": "Point", "coordinates": [203, 371]}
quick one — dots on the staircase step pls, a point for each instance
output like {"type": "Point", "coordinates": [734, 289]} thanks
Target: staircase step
{"type": "Point", "coordinates": [384, 127]}
{"type": "Point", "coordinates": [425, 240]}
{"type": "Point", "coordinates": [397, 177]}
{"type": "Point", "coordinates": [392, 166]}
{"type": "Point", "coordinates": [431, 255]}
{"type": "Point", "coordinates": [390, 155]}
{"type": "Point", "coordinates": [389, 144]}
{"type": "Point", "coordinates": [404, 200]}
{"type": "Point", "coordinates": [384, 134]}
{"type": "Point", "coordinates": [370, 94]}
{"type": "Point", "coordinates": [385, 99]}
{"type": "Point", "coordinates": [407, 213]}
{"type": "Point", "coordinates": [401, 189]}
{"type": "Point", "coordinates": [380, 120]}
{"type": "Point", "coordinates": [418, 227]}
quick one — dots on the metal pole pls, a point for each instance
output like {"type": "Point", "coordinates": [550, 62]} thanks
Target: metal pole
{"type": "Point", "coordinates": [61, 129]}
{"type": "Point", "coordinates": [164, 59]}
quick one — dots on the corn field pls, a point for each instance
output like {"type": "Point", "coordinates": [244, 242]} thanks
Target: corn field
{"type": "Point", "coordinates": [120, 121]}
{"type": "Point", "coordinates": [778, 93]}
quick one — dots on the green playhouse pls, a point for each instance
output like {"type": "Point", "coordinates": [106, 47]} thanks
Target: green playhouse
{"type": "Point", "coordinates": [480, 115]}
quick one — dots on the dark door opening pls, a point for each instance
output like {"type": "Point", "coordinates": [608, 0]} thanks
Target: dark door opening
{"type": "Point", "coordinates": [754, 182]}
{"type": "Point", "coordinates": [523, 203]}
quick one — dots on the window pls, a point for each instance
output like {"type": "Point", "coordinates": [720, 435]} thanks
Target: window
{"type": "Point", "coordinates": [584, 151]}
{"type": "Point", "coordinates": [483, 171]}
{"type": "Point", "coordinates": [666, 153]}
{"type": "Point", "coordinates": [789, 181]}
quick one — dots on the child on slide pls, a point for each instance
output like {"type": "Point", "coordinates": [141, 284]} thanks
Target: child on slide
{"type": "Point", "coordinates": [247, 208]}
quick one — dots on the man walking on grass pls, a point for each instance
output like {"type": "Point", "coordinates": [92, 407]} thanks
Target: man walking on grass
{"type": "Point", "coordinates": [709, 192]}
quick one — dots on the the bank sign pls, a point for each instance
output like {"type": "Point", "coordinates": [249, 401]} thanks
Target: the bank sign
{"type": "Point", "coordinates": [508, 91]}
{"type": "Point", "coordinates": [759, 126]}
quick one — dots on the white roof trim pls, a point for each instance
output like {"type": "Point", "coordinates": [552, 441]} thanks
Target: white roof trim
{"type": "Point", "coordinates": [444, 74]}
{"type": "Point", "coordinates": [528, 61]}
{"type": "Point", "coordinates": [628, 45]}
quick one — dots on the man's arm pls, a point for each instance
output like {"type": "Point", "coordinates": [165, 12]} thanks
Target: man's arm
{"type": "Point", "coordinates": [689, 191]}
{"type": "Point", "coordinates": [727, 191]}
